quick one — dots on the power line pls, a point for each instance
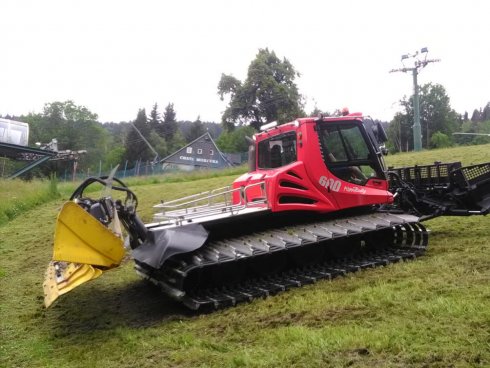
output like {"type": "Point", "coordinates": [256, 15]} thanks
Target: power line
{"type": "Point", "coordinates": [484, 134]}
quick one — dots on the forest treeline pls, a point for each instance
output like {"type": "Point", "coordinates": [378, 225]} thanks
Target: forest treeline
{"type": "Point", "coordinates": [268, 93]}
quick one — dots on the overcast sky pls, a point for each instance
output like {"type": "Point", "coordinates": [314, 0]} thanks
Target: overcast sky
{"type": "Point", "coordinates": [115, 57]}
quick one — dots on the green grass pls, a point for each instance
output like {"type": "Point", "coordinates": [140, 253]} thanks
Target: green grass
{"type": "Point", "coordinates": [179, 177]}
{"type": "Point", "coordinates": [17, 196]}
{"type": "Point", "coordinates": [468, 155]}
{"type": "Point", "coordinates": [432, 312]}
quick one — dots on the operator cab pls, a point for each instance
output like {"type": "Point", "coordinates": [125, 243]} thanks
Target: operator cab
{"type": "Point", "coordinates": [349, 152]}
{"type": "Point", "coordinates": [350, 147]}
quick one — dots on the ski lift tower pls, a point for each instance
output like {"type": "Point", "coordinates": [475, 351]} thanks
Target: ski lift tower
{"type": "Point", "coordinates": [418, 64]}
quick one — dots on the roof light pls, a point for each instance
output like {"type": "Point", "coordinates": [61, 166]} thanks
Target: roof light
{"type": "Point", "coordinates": [268, 126]}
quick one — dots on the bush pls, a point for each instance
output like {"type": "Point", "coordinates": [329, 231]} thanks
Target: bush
{"type": "Point", "coordinates": [440, 140]}
{"type": "Point", "coordinates": [481, 140]}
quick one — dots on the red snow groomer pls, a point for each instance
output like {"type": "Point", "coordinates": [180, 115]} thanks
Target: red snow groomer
{"type": "Point", "coordinates": [317, 202]}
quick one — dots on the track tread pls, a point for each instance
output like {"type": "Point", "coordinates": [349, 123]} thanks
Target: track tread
{"type": "Point", "coordinates": [410, 240]}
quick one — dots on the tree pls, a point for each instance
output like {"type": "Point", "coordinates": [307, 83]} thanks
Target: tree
{"type": "Point", "coordinates": [467, 127]}
{"type": "Point", "coordinates": [440, 140]}
{"type": "Point", "coordinates": [400, 133]}
{"type": "Point", "coordinates": [158, 143]}
{"type": "Point", "coordinates": [117, 131]}
{"type": "Point", "coordinates": [269, 93]}
{"type": "Point", "coordinates": [485, 115]}
{"type": "Point", "coordinates": [177, 142]}
{"type": "Point", "coordinates": [169, 124]}
{"type": "Point", "coordinates": [436, 114]}
{"type": "Point", "coordinates": [476, 116]}
{"type": "Point", "coordinates": [136, 148]}
{"type": "Point", "coordinates": [67, 110]}
{"type": "Point", "coordinates": [154, 120]}
{"type": "Point", "coordinates": [75, 127]}
{"type": "Point", "coordinates": [197, 129]}
{"type": "Point", "coordinates": [317, 112]}
{"type": "Point", "coordinates": [479, 124]}
{"type": "Point", "coordinates": [114, 157]}
{"type": "Point", "coordinates": [57, 121]}
{"type": "Point", "coordinates": [235, 141]}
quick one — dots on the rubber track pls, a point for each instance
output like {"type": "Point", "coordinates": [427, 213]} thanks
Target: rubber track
{"type": "Point", "coordinates": [408, 240]}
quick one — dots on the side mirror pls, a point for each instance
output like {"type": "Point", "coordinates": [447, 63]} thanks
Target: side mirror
{"type": "Point", "coordinates": [380, 133]}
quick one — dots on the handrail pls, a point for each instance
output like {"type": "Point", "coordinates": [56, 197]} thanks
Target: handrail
{"type": "Point", "coordinates": [215, 202]}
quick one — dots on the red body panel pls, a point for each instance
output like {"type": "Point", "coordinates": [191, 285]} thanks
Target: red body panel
{"type": "Point", "coordinates": [307, 184]}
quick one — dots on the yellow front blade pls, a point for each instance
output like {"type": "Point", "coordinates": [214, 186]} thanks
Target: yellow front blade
{"type": "Point", "coordinates": [81, 238]}
{"type": "Point", "coordinates": [62, 277]}
{"type": "Point", "coordinates": [83, 249]}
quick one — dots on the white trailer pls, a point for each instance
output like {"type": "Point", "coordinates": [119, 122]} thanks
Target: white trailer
{"type": "Point", "coordinates": [14, 132]}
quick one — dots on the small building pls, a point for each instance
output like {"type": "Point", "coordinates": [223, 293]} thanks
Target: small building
{"type": "Point", "coordinates": [199, 154]}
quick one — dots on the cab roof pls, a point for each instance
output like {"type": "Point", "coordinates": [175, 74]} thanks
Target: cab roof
{"type": "Point", "coordinates": [287, 127]}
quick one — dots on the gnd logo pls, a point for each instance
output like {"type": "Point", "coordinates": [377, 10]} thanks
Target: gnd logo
{"type": "Point", "coordinates": [330, 183]}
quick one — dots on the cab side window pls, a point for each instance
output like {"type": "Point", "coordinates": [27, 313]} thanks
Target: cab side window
{"type": "Point", "coordinates": [277, 151]}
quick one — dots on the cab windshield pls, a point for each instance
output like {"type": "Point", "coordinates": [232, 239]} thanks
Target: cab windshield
{"type": "Point", "coordinates": [347, 154]}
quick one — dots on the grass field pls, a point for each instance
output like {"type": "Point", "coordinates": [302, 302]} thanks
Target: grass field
{"type": "Point", "coordinates": [432, 312]}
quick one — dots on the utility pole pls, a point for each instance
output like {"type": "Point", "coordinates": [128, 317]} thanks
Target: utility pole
{"type": "Point", "coordinates": [155, 160]}
{"type": "Point", "coordinates": [418, 64]}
